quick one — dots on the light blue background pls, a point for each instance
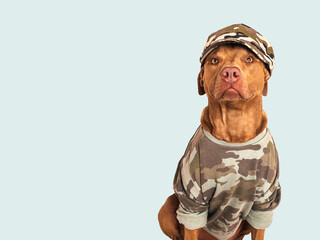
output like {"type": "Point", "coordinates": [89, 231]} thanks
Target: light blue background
{"type": "Point", "coordinates": [98, 101]}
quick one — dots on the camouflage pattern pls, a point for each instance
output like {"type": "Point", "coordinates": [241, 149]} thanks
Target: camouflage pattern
{"type": "Point", "coordinates": [244, 35]}
{"type": "Point", "coordinates": [219, 184]}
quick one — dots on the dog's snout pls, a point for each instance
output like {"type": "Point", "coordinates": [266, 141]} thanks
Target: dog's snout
{"type": "Point", "coordinates": [230, 74]}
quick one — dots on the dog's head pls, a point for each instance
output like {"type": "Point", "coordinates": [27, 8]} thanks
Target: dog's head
{"type": "Point", "coordinates": [232, 72]}
{"type": "Point", "coordinates": [236, 64]}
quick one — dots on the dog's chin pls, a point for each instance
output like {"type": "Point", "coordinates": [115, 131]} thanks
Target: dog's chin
{"type": "Point", "coordinates": [231, 94]}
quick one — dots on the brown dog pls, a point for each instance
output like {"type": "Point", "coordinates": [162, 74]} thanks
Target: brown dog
{"type": "Point", "coordinates": [234, 80]}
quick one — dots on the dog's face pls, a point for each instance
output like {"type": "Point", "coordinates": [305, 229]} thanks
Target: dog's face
{"type": "Point", "coordinates": [233, 73]}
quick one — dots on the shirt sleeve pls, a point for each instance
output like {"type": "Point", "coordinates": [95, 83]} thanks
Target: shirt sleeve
{"type": "Point", "coordinates": [261, 214]}
{"type": "Point", "coordinates": [193, 210]}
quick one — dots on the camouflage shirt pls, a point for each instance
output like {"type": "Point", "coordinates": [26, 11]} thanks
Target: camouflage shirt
{"type": "Point", "coordinates": [219, 184]}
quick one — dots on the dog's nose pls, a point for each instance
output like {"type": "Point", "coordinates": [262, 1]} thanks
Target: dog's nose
{"type": "Point", "coordinates": [230, 74]}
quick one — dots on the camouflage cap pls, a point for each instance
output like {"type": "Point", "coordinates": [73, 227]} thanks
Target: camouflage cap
{"type": "Point", "coordinates": [243, 35]}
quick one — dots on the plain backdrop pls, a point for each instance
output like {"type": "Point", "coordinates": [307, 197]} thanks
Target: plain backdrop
{"type": "Point", "coordinates": [98, 100]}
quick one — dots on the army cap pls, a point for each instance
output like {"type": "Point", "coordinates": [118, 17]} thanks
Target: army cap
{"type": "Point", "coordinates": [243, 35]}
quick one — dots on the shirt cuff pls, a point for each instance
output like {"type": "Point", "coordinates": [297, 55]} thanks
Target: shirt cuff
{"type": "Point", "coordinates": [191, 220]}
{"type": "Point", "coordinates": [259, 219]}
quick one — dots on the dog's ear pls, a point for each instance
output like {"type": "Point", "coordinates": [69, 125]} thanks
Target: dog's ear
{"type": "Point", "coordinates": [265, 89]}
{"type": "Point", "coordinates": [266, 78]}
{"type": "Point", "coordinates": [201, 90]}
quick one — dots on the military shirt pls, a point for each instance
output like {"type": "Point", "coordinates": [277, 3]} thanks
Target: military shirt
{"type": "Point", "coordinates": [219, 184]}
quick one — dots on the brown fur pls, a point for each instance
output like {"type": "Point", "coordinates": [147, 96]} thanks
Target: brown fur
{"type": "Point", "coordinates": [233, 115]}
{"type": "Point", "coordinates": [234, 118]}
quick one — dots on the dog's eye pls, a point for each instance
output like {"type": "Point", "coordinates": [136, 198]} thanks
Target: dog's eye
{"type": "Point", "coordinates": [214, 61]}
{"type": "Point", "coordinates": [249, 59]}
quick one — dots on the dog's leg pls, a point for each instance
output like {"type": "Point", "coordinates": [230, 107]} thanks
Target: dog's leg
{"type": "Point", "coordinates": [191, 234]}
{"type": "Point", "coordinates": [167, 217]}
{"type": "Point", "coordinates": [257, 234]}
